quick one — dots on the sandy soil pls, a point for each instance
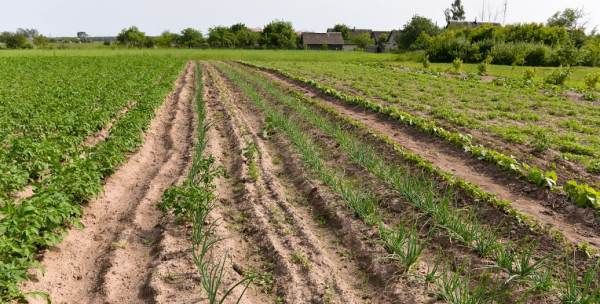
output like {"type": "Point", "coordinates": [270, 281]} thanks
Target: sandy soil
{"type": "Point", "coordinates": [578, 225]}
{"type": "Point", "coordinates": [110, 260]}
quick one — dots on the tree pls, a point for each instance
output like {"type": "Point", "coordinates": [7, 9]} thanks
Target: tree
{"type": "Point", "coordinates": [568, 18]}
{"type": "Point", "coordinates": [363, 40]}
{"type": "Point", "coordinates": [190, 38]}
{"type": "Point", "coordinates": [456, 12]}
{"type": "Point", "coordinates": [221, 37]}
{"type": "Point", "coordinates": [40, 41]}
{"type": "Point", "coordinates": [132, 37]}
{"type": "Point", "coordinates": [14, 40]}
{"type": "Point", "coordinates": [28, 33]}
{"type": "Point", "coordinates": [279, 35]}
{"type": "Point", "coordinates": [166, 39]}
{"type": "Point", "coordinates": [244, 37]}
{"type": "Point", "coordinates": [342, 28]}
{"type": "Point", "coordinates": [413, 29]}
{"type": "Point", "coordinates": [83, 36]}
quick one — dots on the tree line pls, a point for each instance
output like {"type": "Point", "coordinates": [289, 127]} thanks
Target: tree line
{"type": "Point", "coordinates": [562, 40]}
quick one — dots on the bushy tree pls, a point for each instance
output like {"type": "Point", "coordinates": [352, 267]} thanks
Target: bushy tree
{"type": "Point", "coordinates": [14, 40]}
{"type": "Point", "coordinates": [413, 29]}
{"type": "Point", "coordinates": [244, 37]}
{"type": "Point", "coordinates": [456, 12]}
{"type": "Point", "coordinates": [132, 37]}
{"type": "Point", "coordinates": [40, 41]}
{"type": "Point", "coordinates": [166, 39]}
{"type": "Point", "coordinates": [342, 28]}
{"type": "Point", "coordinates": [221, 37]}
{"type": "Point", "coordinates": [568, 18]}
{"type": "Point", "coordinates": [190, 38]}
{"type": "Point", "coordinates": [279, 35]}
{"type": "Point", "coordinates": [363, 40]}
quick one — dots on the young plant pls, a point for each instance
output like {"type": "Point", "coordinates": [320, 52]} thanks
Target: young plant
{"type": "Point", "coordinates": [591, 80]}
{"type": "Point", "coordinates": [403, 243]}
{"type": "Point", "coordinates": [559, 76]}
{"type": "Point", "coordinates": [457, 65]}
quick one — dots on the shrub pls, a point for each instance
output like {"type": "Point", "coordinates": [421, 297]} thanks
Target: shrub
{"type": "Point", "coordinates": [592, 80]}
{"type": "Point", "coordinates": [528, 75]}
{"type": "Point", "coordinates": [425, 61]}
{"type": "Point", "coordinates": [457, 65]}
{"type": "Point", "coordinates": [558, 76]}
{"type": "Point", "coordinates": [483, 67]}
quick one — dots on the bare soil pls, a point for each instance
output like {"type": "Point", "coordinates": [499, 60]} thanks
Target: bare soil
{"type": "Point", "coordinates": [111, 259]}
{"type": "Point", "coordinates": [577, 224]}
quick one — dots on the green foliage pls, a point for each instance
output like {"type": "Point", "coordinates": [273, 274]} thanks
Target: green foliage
{"type": "Point", "coordinates": [558, 76]}
{"type": "Point", "coordinates": [528, 75]}
{"type": "Point", "coordinates": [484, 66]}
{"type": "Point", "coordinates": [363, 40]}
{"type": "Point", "coordinates": [591, 80]}
{"type": "Point", "coordinates": [132, 37]}
{"type": "Point", "coordinates": [279, 35]}
{"type": "Point", "coordinates": [14, 40]}
{"type": "Point", "coordinates": [583, 195]}
{"type": "Point", "coordinates": [568, 18]}
{"type": "Point", "coordinates": [344, 29]}
{"type": "Point", "coordinates": [457, 65]}
{"type": "Point", "coordinates": [190, 38]}
{"type": "Point", "coordinates": [425, 61]}
{"type": "Point", "coordinates": [62, 95]}
{"type": "Point", "coordinates": [221, 37]}
{"type": "Point", "coordinates": [413, 29]}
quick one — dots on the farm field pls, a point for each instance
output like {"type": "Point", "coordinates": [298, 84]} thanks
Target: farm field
{"type": "Point", "coordinates": [290, 177]}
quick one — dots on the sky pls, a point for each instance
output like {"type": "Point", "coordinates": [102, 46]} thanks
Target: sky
{"type": "Point", "coordinates": [107, 17]}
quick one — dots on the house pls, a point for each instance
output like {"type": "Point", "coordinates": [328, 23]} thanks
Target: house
{"type": "Point", "coordinates": [319, 41]}
{"type": "Point", "coordinates": [392, 41]}
{"type": "Point", "coordinates": [460, 24]}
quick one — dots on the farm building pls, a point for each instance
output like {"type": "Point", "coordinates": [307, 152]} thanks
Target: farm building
{"type": "Point", "coordinates": [319, 41]}
{"type": "Point", "coordinates": [392, 41]}
{"type": "Point", "coordinates": [461, 24]}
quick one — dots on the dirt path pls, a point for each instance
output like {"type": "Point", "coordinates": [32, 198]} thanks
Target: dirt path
{"type": "Point", "coordinates": [577, 224]}
{"type": "Point", "coordinates": [110, 259]}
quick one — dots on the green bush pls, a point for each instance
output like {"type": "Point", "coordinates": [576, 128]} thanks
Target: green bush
{"type": "Point", "coordinates": [592, 80]}
{"type": "Point", "coordinates": [558, 76]}
{"type": "Point", "coordinates": [457, 65]}
{"type": "Point", "coordinates": [528, 75]}
{"type": "Point", "coordinates": [582, 195]}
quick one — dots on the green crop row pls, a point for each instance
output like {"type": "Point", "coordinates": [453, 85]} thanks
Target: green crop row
{"type": "Point", "coordinates": [417, 191]}
{"type": "Point", "coordinates": [50, 105]}
{"type": "Point", "coordinates": [40, 221]}
{"type": "Point", "coordinates": [530, 173]}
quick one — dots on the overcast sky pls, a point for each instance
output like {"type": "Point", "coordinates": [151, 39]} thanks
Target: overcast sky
{"type": "Point", "coordinates": [108, 17]}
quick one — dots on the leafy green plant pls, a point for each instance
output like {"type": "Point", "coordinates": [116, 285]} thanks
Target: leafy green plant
{"type": "Point", "coordinates": [457, 65]}
{"type": "Point", "coordinates": [425, 62]}
{"type": "Point", "coordinates": [558, 76]}
{"type": "Point", "coordinates": [484, 66]}
{"type": "Point", "coordinates": [591, 80]}
{"type": "Point", "coordinates": [403, 243]}
{"type": "Point", "coordinates": [583, 195]}
{"type": "Point", "coordinates": [528, 75]}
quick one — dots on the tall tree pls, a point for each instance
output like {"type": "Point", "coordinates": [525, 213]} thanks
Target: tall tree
{"type": "Point", "coordinates": [342, 28]}
{"type": "Point", "coordinates": [413, 29]}
{"type": "Point", "coordinates": [279, 35]}
{"type": "Point", "coordinates": [568, 18]}
{"type": "Point", "coordinates": [190, 38]}
{"type": "Point", "coordinates": [132, 37]}
{"type": "Point", "coordinates": [456, 12]}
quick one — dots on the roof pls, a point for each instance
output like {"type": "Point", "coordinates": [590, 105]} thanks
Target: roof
{"type": "Point", "coordinates": [378, 34]}
{"type": "Point", "coordinates": [355, 32]}
{"type": "Point", "coordinates": [393, 37]}
{"type": "Point", "coordinates": [322, 38]}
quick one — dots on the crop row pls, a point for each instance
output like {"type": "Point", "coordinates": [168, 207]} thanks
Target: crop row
{"type": "Point", "coordinates": [521, 115]}
{"type": "Point", "coordinates": [519, 265]}
{"type": "Point", "coordinates": [50, 105]}
{"type": "Point", "coordinates": [581, 194]}
{"type": "Point", "coordinates": [39, 221]}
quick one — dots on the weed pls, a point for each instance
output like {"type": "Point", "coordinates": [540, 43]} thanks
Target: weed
{"type": "Point", "coordinates": [558, 76]}
{"type": "Point", "coordinates": [591, 80]}
{"type": "Point", "coordinates": [457, 65]}
{"type": "Point", "coordinates": [300, 259]}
